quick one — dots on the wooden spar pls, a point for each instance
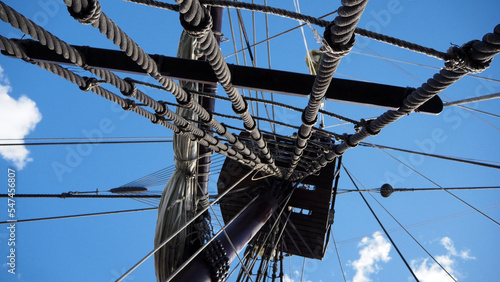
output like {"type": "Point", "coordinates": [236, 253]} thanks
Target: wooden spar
{"type": "Point", "coordinates": [240, 232]}
{"type": "Point", "coordinates": [267, 80]}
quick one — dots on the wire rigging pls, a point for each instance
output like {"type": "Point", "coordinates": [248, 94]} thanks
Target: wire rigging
{"type": "Point", "coordinates": [75, 216]}
{"type": "Point", "coordinates": [455, 159]}
{"type": "Point", "coordinates": [380, 223]}
{"type": "Point", "coordinates": [402, 227]}
{"type": "Point", "coordinates": [98, 142]}
{"type": "Point", "coordinates": [453, 195]}
{"type": "Point", "coordinates": [338, 256]}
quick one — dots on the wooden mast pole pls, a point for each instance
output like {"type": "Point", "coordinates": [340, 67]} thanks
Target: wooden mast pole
{"type": "Point", "coordinates": [212, 264]}
{"type": "Point", "coordinates": [209, 105]}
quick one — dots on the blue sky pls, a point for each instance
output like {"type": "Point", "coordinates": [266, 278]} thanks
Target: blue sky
{"type": "Point", "coordinates": [101, 248]}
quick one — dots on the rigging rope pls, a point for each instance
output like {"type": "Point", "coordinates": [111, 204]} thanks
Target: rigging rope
{"type": "Point", "coordinates": [274, 103]}
{"type": "Point", "coordinates": [455, 159]}
{"type": "Point", "coordinates": [480, 54]}
{"type": "Point", "coordinates": [450, 57]}
{"type": "Point", "coordinates": [380, 223]}
{"type": "Point", "coordinates": [200, 213]}
{"type": "Point", "coordinates": [417, 64]}
{"type": "Point", "coordinates": [339, 38]}
{"type": "Point", "coordinates": [126, 44]}
{"type": "Point", "coordinates": [482, 112]}
{"type": "Point", "coordinates": [402, 227]}
{"type": "Point", "coordinates": [75, 216]}
{"type": "Point", "coordinates": [267, 40]}
{"type": "Point", "coordinates": [338, 256]}
{"type": "Point", "coordinates": [285, 106]}
{"type": "Point", "coordinates": [13, 48]}
{"type": "Point", "coordinates": [197, 22]}
{"type": "Point", "coordinates": [276, 225]}
{"type": "Point", "coordinates": [422, 223]}
{"type": "Point", "coordinates": [69, 195]}
{"type": "Point", "coordinates": [85, 143]}
{"type": "Point", "coordinates": [472, 100]}
{"type": "Point", "coordinates": [453, 195]}
{"type": "Point", "coordinates": [211, 240]}
{"type": "Point", "coordinates": [240, 260]}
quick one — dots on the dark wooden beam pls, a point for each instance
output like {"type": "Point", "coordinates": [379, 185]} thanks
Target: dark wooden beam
{"type": "Point", "coordinates": [358, 92]}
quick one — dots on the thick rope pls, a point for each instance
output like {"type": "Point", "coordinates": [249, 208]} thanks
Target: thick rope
{"type": "Point", "coordinates": [137, 54]}
{"type": "Point", "coordinates": [197, 21]}
{"type": "Point", "coordinates": [14, 49]}
{"type": "Point", "coordinates": [127, 104]}
{"type": "Point", "coordinates": [274, 103]}
{"type": "Point", "coordinates": [340, 40]}
{"type": "Point", "coordinates": [478, 53]}
{"type": "Point", "coordinates": [311, 20]}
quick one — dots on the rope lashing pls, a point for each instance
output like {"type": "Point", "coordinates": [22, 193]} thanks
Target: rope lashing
{"type": "Point", "coordinates": [130, 105]}
{"type": "Point", "coordinates": [184, 165]}
{"type": "Point", "coordinates": [462, 60]}
{"type": "Point", "coordinates": [195, 20]}
{"type": "Point", "coordinates": [339, 40]}
{"type": "Point", "coordinates": [90, 82]}
{"type": "Point", "coordinates": [132, 90]}
{"type": "Point", "coordinates": [87, 13]}
{"type": "Point", "coordinates": [370, 131]}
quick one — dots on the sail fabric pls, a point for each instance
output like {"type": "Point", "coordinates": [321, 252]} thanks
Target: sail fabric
{"type": "Point", "coordinates": [178, 203]}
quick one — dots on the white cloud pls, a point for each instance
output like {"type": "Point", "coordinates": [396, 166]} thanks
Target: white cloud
{"type": "Point", "coordinates": [429, 271]}
{"type": "Point", "coordinates": [287, 278]}
{"type": "Point", "coordinates": [375, 250]}
{"type": "Point", "coordinates": [17, 119]}
{"type": "Point", "coordinates": [448, 245]}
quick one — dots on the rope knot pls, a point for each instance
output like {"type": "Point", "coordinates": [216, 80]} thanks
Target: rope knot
{"type": "Point", "coordinates": [187, 166]}
{"type": "Point", "coordinates": [129, 105]}
{"type": "Point", "coordinates": [133, 88]}
{"type": "Point", "coordinates": [164, 110]}
{"type": "Point", "coordinates": [201, 16]}
{"type": "Point", "coordinates": [87, 15]}
{"type": "Point", "coordinates": [347, 140]}
{"type": "Point", "coordinates": [335, 49]}
{"type": "Point", "coordinates": [460, 58]}
{"type": "Point", "coordinates": [90, 82]}
{"type": "Point", "coordinates": [366, 125]}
